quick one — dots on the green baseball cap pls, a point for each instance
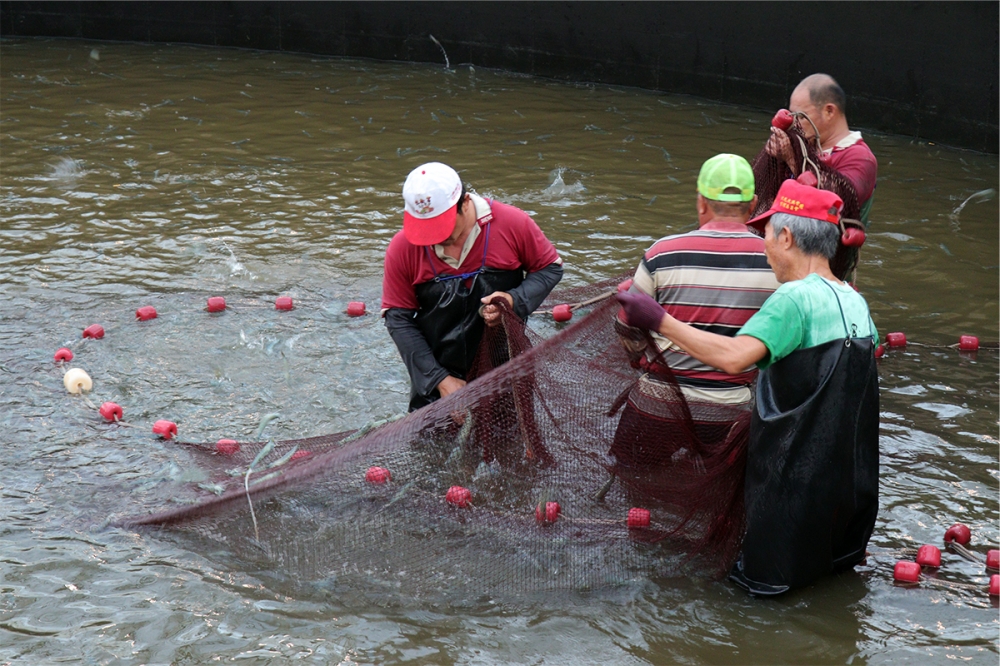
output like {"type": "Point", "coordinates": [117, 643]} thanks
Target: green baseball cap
{"type": "Point", "coordinates": [725, 171]}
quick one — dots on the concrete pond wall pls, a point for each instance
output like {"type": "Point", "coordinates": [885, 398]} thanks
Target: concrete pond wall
{"type": "Point", "coordinates": [921, 69]}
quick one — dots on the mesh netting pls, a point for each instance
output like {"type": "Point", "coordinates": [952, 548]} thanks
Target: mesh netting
{"type": "Point", "coordinates": [538, 428]}
{"type": "Point", "coordinates": [770, 172]}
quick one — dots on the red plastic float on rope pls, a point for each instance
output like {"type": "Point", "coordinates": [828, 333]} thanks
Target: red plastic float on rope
{"type": "Point", "coordinates": [562, 312]}
{"type": "Point", "coordinates": [355, 309]}
{"type": "Point", "coordinates": [298, 455]}
{"type": "Point", "coordinates": [783, 119]}
{"type": "Point", "coordinates": [993, 560]}
{"type": "Point", "coordinates": [906, 572]}
{"type": "Point", "coordinates": [549, 515]}
{"type": "Point", "coordinates": [458, 496]}
{"type": "Point", "coordinates": [283, 303]}
{"type": "Point", "coordinates": [638, 518]}
{"type": "Point", "coordinates": [625, 286]}
{"type": "Point", "coordinates": [929, 556]}
{"type": "Point", "coordinates": [895, 339]}
{"type": "Point", "coordinates": [378, 475]}
{"type": "Point", "coordinates": [995, 585]}
{"type": "Point", "coordinates": [958, 533]}
{"type": "Point", "coordinates": [111, 411]}
{"type": "Point", "coordinates": [227, 447]}
{"type": "Point", "coordinates": [165, 429]}
{"type": "Point", "coordinates": [853, 237]}
{"type": "Point", "coordinates": [216, 304]}
{"type": "Point", "coordinates": [95, 331]}
{"type": "Point", "coordinates": [63, 354]}
{"type": "Point", "coordinates": [880, 351]}
{"type": "Point", "coordinates": [145, 313]}
{"type": "Point", "coordinates": [968, 342]}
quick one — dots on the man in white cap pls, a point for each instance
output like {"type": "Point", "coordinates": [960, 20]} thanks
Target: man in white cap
{"type": "Point", "coordinates": [457, 252]}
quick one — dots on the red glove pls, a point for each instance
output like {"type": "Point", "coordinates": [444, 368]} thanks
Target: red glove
{"type": "Point", "coordinates": [641, 311]}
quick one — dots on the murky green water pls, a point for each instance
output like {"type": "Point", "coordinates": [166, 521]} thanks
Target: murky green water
{"type": "Point", "coordinates": [162, 175]}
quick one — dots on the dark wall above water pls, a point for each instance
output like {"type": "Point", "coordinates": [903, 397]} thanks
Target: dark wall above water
{"type": "Point", "coordinates": [922, 69]}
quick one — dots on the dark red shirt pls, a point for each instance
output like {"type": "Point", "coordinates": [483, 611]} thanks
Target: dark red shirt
{"type": "Point", "coordinates": [857, 163]}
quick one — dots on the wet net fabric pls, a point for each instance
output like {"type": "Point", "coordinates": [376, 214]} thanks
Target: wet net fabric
{"type": "Point", "coordinates": [770, 172]}
{"type": "Point", "coordinates": [536, 425]}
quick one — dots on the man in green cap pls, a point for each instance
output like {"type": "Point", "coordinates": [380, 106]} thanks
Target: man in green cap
{"type": "Point", "coordinates": [713, 278]}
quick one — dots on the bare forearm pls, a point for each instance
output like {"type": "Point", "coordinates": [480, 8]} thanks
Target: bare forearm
{"type": "Point", "coordinates": [731, 355]}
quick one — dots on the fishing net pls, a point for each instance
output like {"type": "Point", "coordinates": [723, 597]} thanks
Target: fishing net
{"type": "Point", "coordinates": [770, 172]}
{"type": "Point", "coordinates": [535, 426]}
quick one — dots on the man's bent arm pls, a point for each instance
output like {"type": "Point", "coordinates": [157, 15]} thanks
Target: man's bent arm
{"type": "Point", "coordinates": [425, 372]}
{"type": "Point", "coordinates": [731, 355]}
{"type": "Point", "coordinates": [535, 287]}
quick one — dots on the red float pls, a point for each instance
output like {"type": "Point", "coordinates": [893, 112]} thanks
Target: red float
{"type": "Point", "coordinates": [95, 331]}
{"type": "Point", "coordinates": [355, 309]}
{"type": "Point", "coordinates": [808, 178]}
{"type": "Point", "coordinates": [283, 303]}
{"type": "Point", "coordinates": [895, 339]}
{"type": "Point", "coordinates": [111, 411]}
{"type": "Point", "coordinates": [298, 455]}
{"type": "Point", "coordinates": [929, 556]}
{"type": "Point", "coordinates": [227, 447]}
{"type": "Point", "coordinates": [549, 515]}
{"type": "Point", "coordinates": [906, 572]}
{"type": "Point", "coordinates": [638, 518]}
{"type": "Point", "coordinates": [165, 429]}
{"type": "Point", "coordinates": [968, 343]}
{"type": "Point", "coordinates": [995, 585]}
{"type": "Point", "coordinates": [216, 304]}
{"type": "Point", "coordinates": [377, 475]}
{"type": "Point", "coordinates": [458, 496]}
{"type": "Point", "coordinates": [958, 533]}
{"type": "Point", "coordinates": [853, 237]}
{"type": "Point", "coordinates": [63, 354]}
{"type": "Point", "coordinates": [625, 286]}
{"type": "Point", "coordinates": [993, 559]}
{"type": "Point", "coordinates": [880, 351]}
{"type": "Point", "coordinates": [783, 119]}
{"type": "Point", "coordinates": [145, 313]}
{"type": "Point", "coordinates": [562, 312]}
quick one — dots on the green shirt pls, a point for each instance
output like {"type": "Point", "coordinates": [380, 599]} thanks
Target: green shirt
{"type": "Point", "coordinates": [804, 313]}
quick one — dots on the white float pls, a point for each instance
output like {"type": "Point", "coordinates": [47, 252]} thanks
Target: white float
{"type": "Point", "coordinates": [77, 381]}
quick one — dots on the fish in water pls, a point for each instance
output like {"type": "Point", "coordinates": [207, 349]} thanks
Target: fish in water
{"type": "Point", "coordinates": [978, 197]}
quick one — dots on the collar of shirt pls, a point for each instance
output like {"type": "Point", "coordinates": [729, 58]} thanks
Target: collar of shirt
{"type": "Point", "coordinates": [723, 225]}
{"type": "Point", "coordinates": [483, 215]}
{"type": "Point", "coordinates": [844, 143]}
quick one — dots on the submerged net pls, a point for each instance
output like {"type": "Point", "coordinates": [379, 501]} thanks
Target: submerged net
{"type": "Point", "coordinates": [770, 172]}
{"type": "Point", "coordinates": [534, 429]}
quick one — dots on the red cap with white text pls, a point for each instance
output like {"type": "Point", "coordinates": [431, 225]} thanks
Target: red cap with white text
{"type": "Point", "coordinates": [795, 198]}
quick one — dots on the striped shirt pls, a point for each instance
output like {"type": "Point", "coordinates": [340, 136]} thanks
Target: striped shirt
{"type": "Point", "coordinates": [714, 278]}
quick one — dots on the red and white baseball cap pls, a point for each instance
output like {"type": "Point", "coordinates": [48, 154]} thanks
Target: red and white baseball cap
{"type": "Point", "coordinates": [430, 196]}
{"type": "Point", "coordinates": [795, 198]}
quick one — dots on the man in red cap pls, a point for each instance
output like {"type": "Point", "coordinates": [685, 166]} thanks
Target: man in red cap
{"type": "Point", "coordinates": [457, 252]}
{"type": "Point", "coordinates": [811, 488]}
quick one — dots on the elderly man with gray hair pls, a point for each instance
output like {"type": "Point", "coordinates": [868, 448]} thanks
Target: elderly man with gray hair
{"type": "Point", "coordinates": [811, 487]}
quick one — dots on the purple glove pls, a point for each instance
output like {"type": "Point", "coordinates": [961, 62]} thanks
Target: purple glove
{"type": "Point", "coordinates": [641, 310]}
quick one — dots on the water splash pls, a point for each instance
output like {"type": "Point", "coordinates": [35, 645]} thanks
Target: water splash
{"type": "Point", "coordinates": [558, 187]}
{"type": "Point", "coordinates": [67, 170]}
{"type": "Point", "coordinates": [447, 63]}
